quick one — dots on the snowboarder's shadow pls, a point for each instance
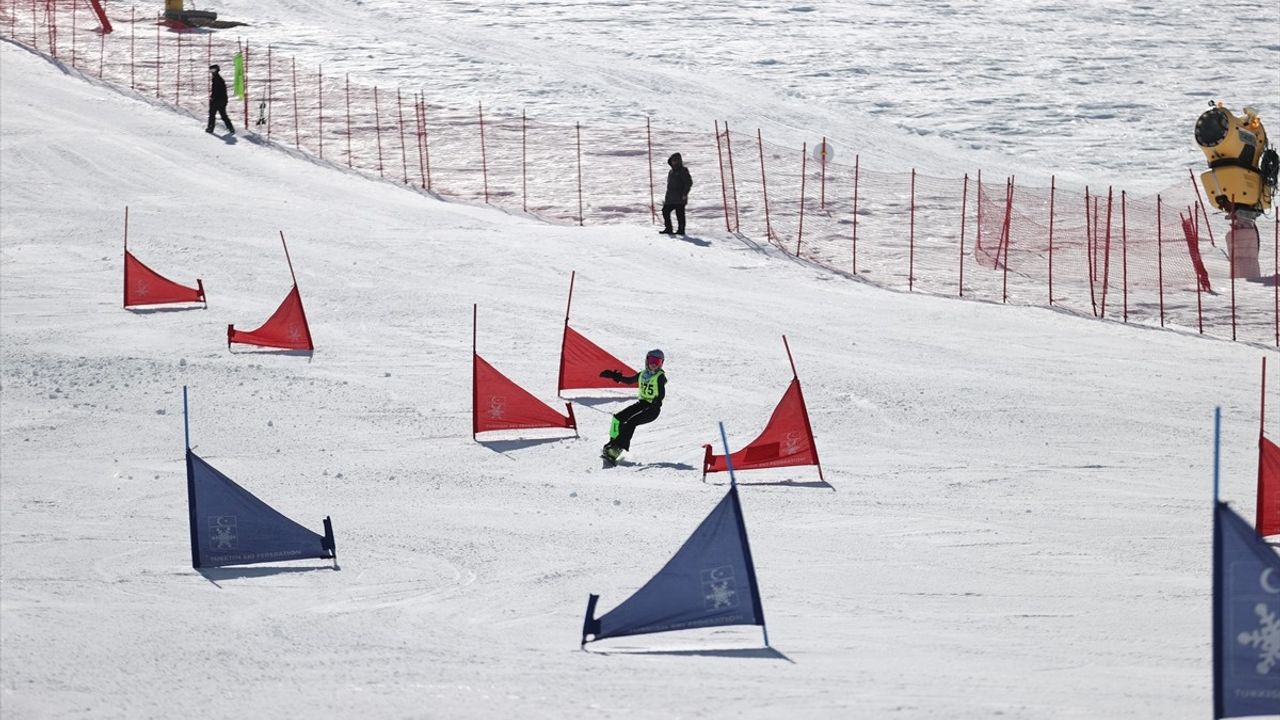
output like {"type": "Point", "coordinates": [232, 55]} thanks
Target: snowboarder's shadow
{"type": "Point", "coordinates": [666, 465]}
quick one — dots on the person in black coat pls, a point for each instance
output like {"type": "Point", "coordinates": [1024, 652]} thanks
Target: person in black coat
{"type": "Point", "coordinates": [678, 184]}
{"type": "Point", "coordinates": [218, 101]}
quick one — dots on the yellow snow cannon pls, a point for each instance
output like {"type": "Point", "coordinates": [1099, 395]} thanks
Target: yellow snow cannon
{"type": "Point", "coordinates": [1241, 179]}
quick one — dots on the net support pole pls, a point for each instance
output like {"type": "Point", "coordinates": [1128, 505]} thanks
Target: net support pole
{"type": "Point", "coordinates": [577, 128]}
{"type": "Point", "coordinates": [764, 187]}
{"type": "Point", "coordinates": [1053, 193]}
{"type": "Point", "coordinates": [733, 181]}
{"type": "Point", "coordinates": [1160, 254]}
{"type": "Point", "coordinates": [804, 171]}
{"type": "Point", "coordinates": [724, 192]}
{"type": "Point", "coordinates": [964, 212]}
{"type": "Point", "coordinates": [911, 241]}
{"type": "Point", "coordinates": [648, 136]}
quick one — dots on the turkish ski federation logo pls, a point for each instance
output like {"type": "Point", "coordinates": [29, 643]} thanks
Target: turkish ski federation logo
{"type": "Point", "coordinates": [497, 406]}
{"type": "Point", "coordinates": [222, 532]}
{"type": "Point", "coordinates": [719, 589]}
{"type": "Point", "coordinates": [1266, 638]}
{"type": "Point", "coordinates": [791, 445]}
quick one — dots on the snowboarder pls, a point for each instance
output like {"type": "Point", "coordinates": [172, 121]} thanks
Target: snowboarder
{"type": "Point", "coordinates": [678, 184]}
{"type": "Point", "coordinates": [218, 101]}
{"type": "Point", "coordinates": [653, 388]}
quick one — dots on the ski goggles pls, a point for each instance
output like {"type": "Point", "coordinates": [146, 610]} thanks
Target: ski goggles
{"type": "Point", "coordinates": [653, 360]}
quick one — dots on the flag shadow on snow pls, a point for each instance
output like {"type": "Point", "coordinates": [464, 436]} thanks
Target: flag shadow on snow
{"type": "Point", "coordinates": [816, 484]}
{"type": "Point", "coordinates": [308, 354]}
{"type": "Point", "coordinates": [505, 446]}
{"type": "Point", "coordinates": [764, 653]}
{"type": "Point", "coordinates": [214, 574]}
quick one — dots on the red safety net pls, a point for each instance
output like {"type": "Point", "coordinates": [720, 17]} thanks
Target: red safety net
{"type": "Point", "coordinates": [1268, 520]}
{"type": "Point", "coordinates": [786, 441]}
{"type": "Point", "coordinates": [582, 360]}
{"type": "Point", "coordinates": [1094, 251]}
{"type": "Point", "coordinates": [144, 286]}
{"type": "Point", "coordinates": [500, 404]}
{"type": "Point", "coordinates": [286, 328]}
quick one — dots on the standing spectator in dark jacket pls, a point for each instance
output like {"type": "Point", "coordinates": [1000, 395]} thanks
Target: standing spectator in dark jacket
{"type": "Point", "coordinates": [678, 184]}
{"type": "Point", "coordinates": [218, 101]}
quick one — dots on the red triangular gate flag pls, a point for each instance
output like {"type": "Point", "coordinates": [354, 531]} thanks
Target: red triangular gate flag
{"type": "Point", "coordinates": [286, 328]}
{"type": "Point", "coordinates": [1268, 520]}
{"type": "Point", "coordinates": [582, 360]}
{"type": "Point", "coordinates": [786, 441]}
{"type": "Point", "coordinates": [144, 286]}
{"type": "Point", "coordinates": [497, 403]}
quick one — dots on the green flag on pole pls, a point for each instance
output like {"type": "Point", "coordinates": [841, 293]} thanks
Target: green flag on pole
{"type": "Point", "coordinates": [239, 92]}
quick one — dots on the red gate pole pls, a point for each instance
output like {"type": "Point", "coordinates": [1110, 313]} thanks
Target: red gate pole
{"type": "Point", "coordinates": [804, 171]}
{"type": "Point", "coordinates": [484, 156]}
{"type": "Point", "coordinates": [319, 107]}
{"type": "Point", "coordinates": [964, 211]}
{"type": "Point", "coordinates": [733, 181]}
{"type": "Point", "coordinates": [764, 186]}
{"type": "Point", "coordinates": [524, 162]}
{"type": "Point", "coordinates": [377, 126]}
{"type": "Point", "coordinates": [1124, 256]}
{"type": "Point", "coordinates": [1160, 253]}
{"type": "Point", "coordinates": [822, 195]}
{"type": "Point", "coordinates": [404, 153]}
{"type": "Point", "coordinates": [297, 136]}
{"type": "Point", "coordinates": [578, 130]}
{"type": "Point", "coordinates": [911, 242]}
{"type": "Point", "coordinates": [348, 90]}
{"type": "Point", "coordinates": [1053, 192]}
{"type": "Point", "coordinates": [648, 136]}
{"type": "Point", "coordinates": [724, 193]}
{"type": "Point", "coordinates": [102, 49]}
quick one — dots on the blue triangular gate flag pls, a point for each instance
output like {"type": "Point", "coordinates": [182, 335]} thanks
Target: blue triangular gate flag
{"type": "Point", "coordinates": [710, 582]}
{"type": "Point", "coordinates": [229, 526]}
{"type": "Point", "coordinates": [1246, 619]}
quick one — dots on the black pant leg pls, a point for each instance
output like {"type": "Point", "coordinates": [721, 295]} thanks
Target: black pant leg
{"type": "Point", "coordinates": [213, 113]}
{"type": "Point", "coordinates": [634, 415]}
{"type": "Point", "coordinates": [679, 219]}
{"type": "Point", "coordinates": [666, 217]}
{"type": "Point", "coordinates": [226, 120]}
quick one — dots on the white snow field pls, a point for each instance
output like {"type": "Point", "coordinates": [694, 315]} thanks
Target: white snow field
{"type": "Point", "coordinates": [1016, 520]}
